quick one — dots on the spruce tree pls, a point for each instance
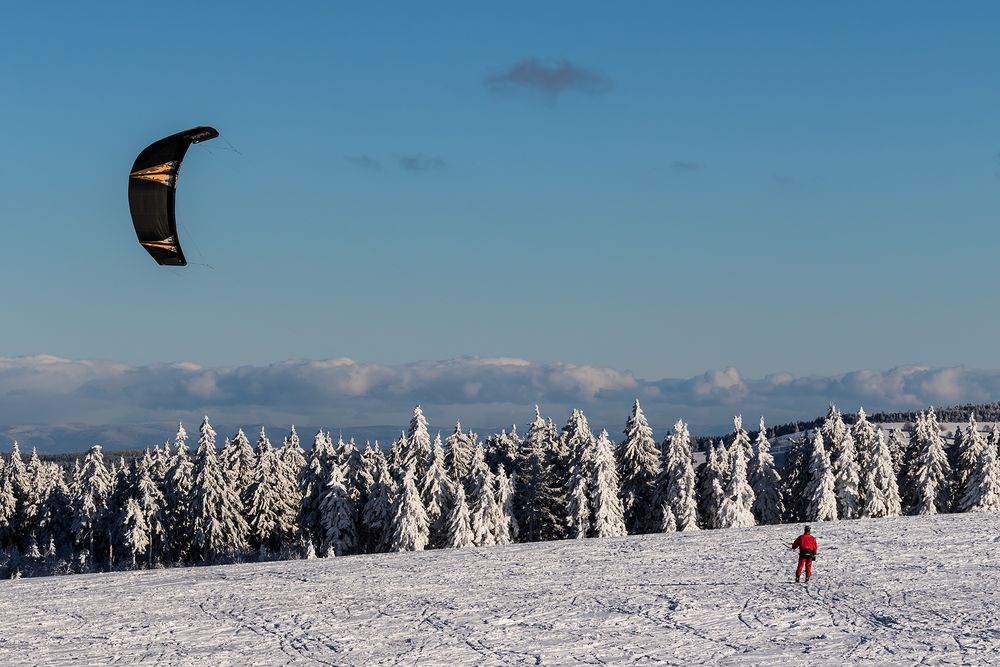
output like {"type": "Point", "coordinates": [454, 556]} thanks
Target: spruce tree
{"type": "Point", "coordinates": [736, 511]}
{"type": "Point", "coordinates": [339, 514]}
{"type": "Point", "coordinates": [821, 496]}
{"type": "Point", "coordinates": [135, 530]}
{"type": "Point", "coordinates": [151, 504]}
{"type": "Point", "coordinates": [668, 524]}
{"type": "Point", "coordinates": [711, 485]}
{"type": "Point", "coordinates": [983, 485]}
{"type": "Point", "coordinates": [417, 450]}
{"type": "Point", "coordinates": [895, 445]}
{"type": "Point", "coordinates": [834, 430]}
{"type": "Point", "coordinates": [507, 528]}
{"type": "Point", "coordinates": [459, 529]}
{"type": "Point", "coordinates": [639, 465]}
{"type": "Point", "coordinates": [483, 509]}
{"type": "Point", "coordinates": [219, 529]}
{"type": "Point", "coordinates": [970, 447]}
{"type": "Point", "coordinates": [409, 528]}
{"type": "Point", "coordinates": [677, 480]}
{"type": "Point", "coordinates": [436, 494]}
{"type": "Point", "coordinates": [605, 488]}
{"type": "Point", "coordinates": [847, 479]}
{"type": "Point", "coordinates": [501, 450]}
{"type": "Point", "coordinates": [272, 516]}
{"type": "Point", "coordinates": [795, 477]}
{"type": "Point", "coordinates": [315, 478]}
{"type": "Point", "coordinates": [377, 515]}
{"type": "Point", "coordinates": [930, 474]}
{"type": "Point", "coordinates": [768, 506]}
{"type": "Point", "coordinates": [881, 497]}
{"type": "Point", "coordinates": [91, 503]}
{"type": "Point", "coordinates": [536, 503]}
{"type": "Point", "coordinates": [458, 452]}
{"type": "Point", "coordinates": [741, 439]}
{"type": "Point", "coordinates": [177, 491]}
{"type": "Point", "coordinates": [238, 461]}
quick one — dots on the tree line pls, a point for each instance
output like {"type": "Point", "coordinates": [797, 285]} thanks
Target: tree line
{"type": "Point", "coordinates": [240, 502]}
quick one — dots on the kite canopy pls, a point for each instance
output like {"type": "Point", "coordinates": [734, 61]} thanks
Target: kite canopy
{"type": "Point", "coordinates": [152, 186]}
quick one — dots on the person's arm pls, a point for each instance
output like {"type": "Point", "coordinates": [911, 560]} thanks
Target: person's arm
{"type": "Point", "coordinates": [795, 544]}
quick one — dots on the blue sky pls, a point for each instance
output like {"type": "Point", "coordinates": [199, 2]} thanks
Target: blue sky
{"type": "Point", "coordinates": [776, 187]}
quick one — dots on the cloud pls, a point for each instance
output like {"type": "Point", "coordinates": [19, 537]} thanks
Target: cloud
{"type": "Point", "coordinates": [364, 162]}
{"type": "Point", "coordinates": [420, 163]}
{"type": "Point", "coordinates": [486, 392]}
{"type": "Point", "coordinates": [686, 166]}
{"type": "Point", "coordinates": [550, 78]}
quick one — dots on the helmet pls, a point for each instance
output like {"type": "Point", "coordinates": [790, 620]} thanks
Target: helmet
{"type": "Point", "coordinates": [807, 529]}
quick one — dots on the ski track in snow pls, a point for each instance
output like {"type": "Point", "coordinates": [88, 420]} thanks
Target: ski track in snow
{"type": "Point", "coordinates": [906, 591]}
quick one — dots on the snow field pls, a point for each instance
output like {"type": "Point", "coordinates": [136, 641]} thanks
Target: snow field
{"type": "Point", "coordinates": [893, 591]}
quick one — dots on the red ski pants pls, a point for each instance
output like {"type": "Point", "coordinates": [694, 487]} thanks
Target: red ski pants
{"type": "Point", "coordinates": [808, 563]}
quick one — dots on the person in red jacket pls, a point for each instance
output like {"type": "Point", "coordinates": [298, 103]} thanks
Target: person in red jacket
{"type": "Point", "coordinates": [806, 544]}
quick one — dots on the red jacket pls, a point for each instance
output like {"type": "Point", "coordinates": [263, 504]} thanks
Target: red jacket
{"type": "Point", "coordinates": [805, 541]}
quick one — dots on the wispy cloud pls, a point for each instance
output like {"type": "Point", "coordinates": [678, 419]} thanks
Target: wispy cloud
{"type": "Point", "coordinates": [687, 165]}
{"type": "Point", "coordinates": [550, 78]}
{"type": "Point", "coordinates": [477, 390]}
{"type": "Point", "coordinates": [364, 162]}
{"type": "Point", "coordinates": [420, 163]}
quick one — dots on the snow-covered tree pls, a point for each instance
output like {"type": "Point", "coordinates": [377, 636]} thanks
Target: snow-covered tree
{"type": "Point", "coordinates": [929, 477]}
{"type": "Point", "coordinates": [970, 447]}
{"type": "Point", "coordinates": [865, 435]}
{"type": "Point", "coordinates": [238, 461]}
{"type": "Point", "coordinates": [579, 443]}
{"type": "Point", "coordinates": [795, 477]}
{"type": "Point", "coordinates": [502, 449]}
{"type": "Point", "coordinates": [847, 479]}
{"type": "Point", "coordinates": [177, 493]}
{"type": "Point", "coordinates": [409, 528]}
{"type": "Point", "coordinates": [895, 445]}
{"type": "Point", "coordinates": [668, 524]}
{"type": "Point", "coordinates": [484, 513]}
{"type": "Point", "coordinates": [417, 450]}
{"type": "Point", "coordinates": [292, 462]}
{"type": "Point", "coordinates": [219, 529]}
{"type": "Point", "coordinates": [821, 495]}
{"type": "Point", "coordinates": [315, 477]}
{"type": "Point", "coordinates": [741, 439]}
{"type": "Point", "coordinates": [458, 452]}
{"type": "Point", "coordinates": [90, 504]}
{"type": "Point", "coordinates": [711, 486]}
{"type": "Point", "coordinates": [983, 485]}
{"type": "Point", "coordinates": [436, 493]}
{"type": "Point", "coordinates": [507, 528]}
{"type": "Point", "coordinates": [639, 465]}
{"type": "Point", "coordinates": [608, 515]}
{"type": "Point", "coordinates": [834, 430]}
{"type": "Point", "coordinates": [135, 530]}
{"type": "Point", "coordinates": [736, 510]}
{"type": "Point", "coordinates": [55, 517]}
{"type": "Point", "coordinates": [881, 495]}
{"type": "Point", "coordinates": [272, 515]}
{"type": "Point", "coordinates": [768, 506]}
{"type": "Point", "coordinates": [377, 515]}
{"type": "Point", "coordinates": [151, 504]}
{"type": "Point", "coordinates": [537, 504]}
{"type": "Point", "coordinates": [459, 529]}
{"type": "Point", "coordinates": [676, 482]}
{"type": "Point", "coordinates": [339, 514]}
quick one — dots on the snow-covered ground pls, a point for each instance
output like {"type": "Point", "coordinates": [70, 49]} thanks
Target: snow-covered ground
{"type": "Point", "coordinates": [886, 591]}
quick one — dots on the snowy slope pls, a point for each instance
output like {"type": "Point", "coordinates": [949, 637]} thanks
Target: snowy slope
{"type": "Point", "coordinates": [887, 591]}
